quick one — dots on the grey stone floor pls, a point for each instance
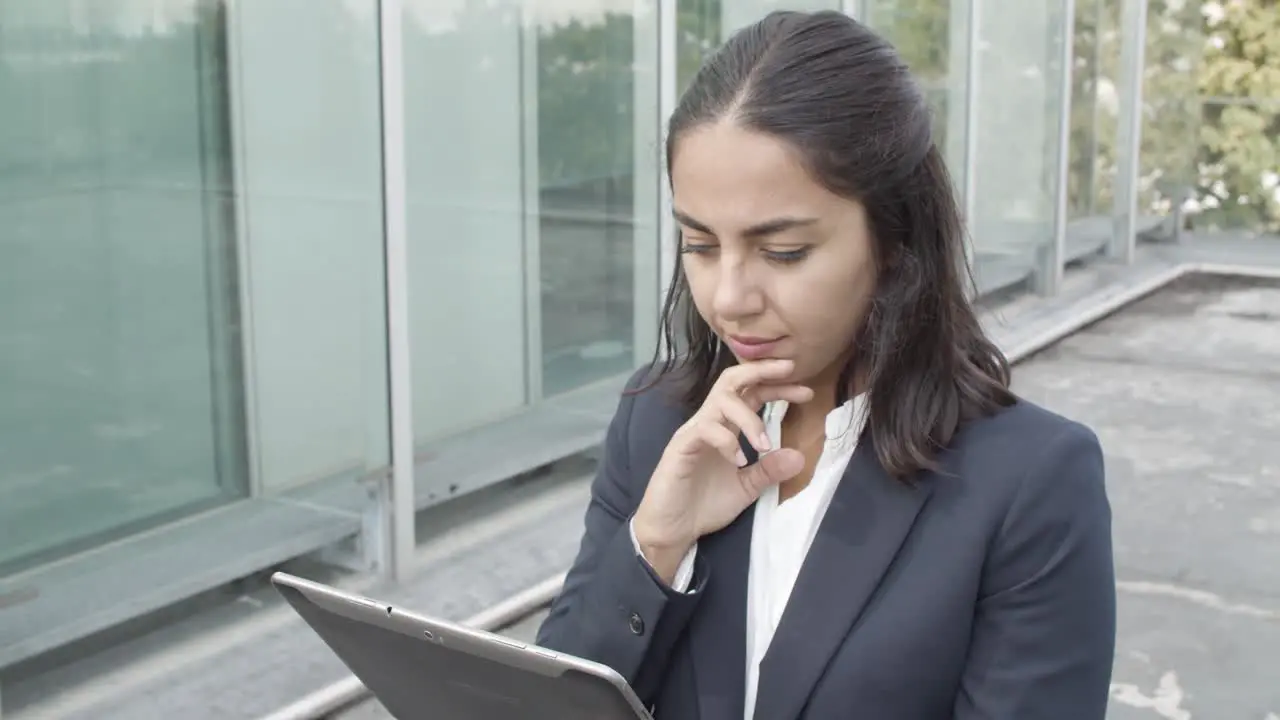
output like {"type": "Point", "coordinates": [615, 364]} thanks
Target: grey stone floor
{"type": "Point", "coordinates": [1183, 388]}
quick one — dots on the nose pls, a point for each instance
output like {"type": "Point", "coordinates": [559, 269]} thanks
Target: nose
{"type": "Point", "coordinates": [738, 294]}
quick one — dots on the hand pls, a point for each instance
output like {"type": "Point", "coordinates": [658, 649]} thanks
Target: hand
{"type": "Point", "coordinates": [700, 485]}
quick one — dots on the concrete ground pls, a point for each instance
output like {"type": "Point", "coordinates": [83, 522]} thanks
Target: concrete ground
{"type": "Point", "coordinates": [1183, 388]}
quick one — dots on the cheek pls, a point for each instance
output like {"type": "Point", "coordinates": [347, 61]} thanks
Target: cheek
{"type": "Point", "coordinates": [702, 288]}
{"type": "Point", "coordinates": [824, 305]}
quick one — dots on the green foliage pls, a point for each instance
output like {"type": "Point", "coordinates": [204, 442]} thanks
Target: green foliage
{"type": "Point", "coordinates": [586, 105]}
{"type": "Point", "coordinates": [1239, 135]}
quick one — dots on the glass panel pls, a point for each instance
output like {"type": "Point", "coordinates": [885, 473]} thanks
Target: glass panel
{"type": "Point", "coordinates": [1171, 108]}
{"type": "Point", "coordinates": [190, 259]}
{"type": "Point", "coordinates": [703, 25]}
{"type": "Point", "coordinates": [590, 169]}
{"type": "Point", "coordinates": [932, 36]}
{"type": "Point", "coordinates": [1018, 105]}
{"type": "Point", "coordinates": [118, 354]}
{"type": "Point", "coordinates": [305, 103]}
{"type": "Point", "coordinates": [1238, 183]}
{"type": "Point", "coordinates": [532, 205]}
{"type": "Point", "coordinates": [1095, 111]}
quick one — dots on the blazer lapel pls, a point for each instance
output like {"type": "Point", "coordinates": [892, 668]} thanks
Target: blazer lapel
{"type": "Point", "coordinates": [869, 517]}
{"type": "Point", "coordinates": [718, 632]}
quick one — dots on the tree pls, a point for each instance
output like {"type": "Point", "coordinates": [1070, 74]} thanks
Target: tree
{"type": "Point", "coordinates": [1239, 139]}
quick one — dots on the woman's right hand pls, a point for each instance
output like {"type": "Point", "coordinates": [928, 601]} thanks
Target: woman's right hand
{"type": "Point", "coordinates": [700, 485]}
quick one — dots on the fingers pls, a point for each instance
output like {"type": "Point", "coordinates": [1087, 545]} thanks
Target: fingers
{"type": "Point", "coordinates": [741, 377]}
{"type": "Point", "coordinates": [772, 469]}
{"type": "Point", "coordinates": [795, 394]}
{"type": "Point", "coordinates": [722, 439]}
{"type": "Point", "coordinates": [734, 412]}
{"type": "Point", "coordinates": [741, 390]}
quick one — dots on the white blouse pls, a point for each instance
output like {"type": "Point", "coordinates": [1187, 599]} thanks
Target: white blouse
{"type": "Point", "coordinates": [782, 533]}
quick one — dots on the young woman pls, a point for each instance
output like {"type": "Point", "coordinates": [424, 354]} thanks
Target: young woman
{"type": "Point", "coordinates": [825, 502]}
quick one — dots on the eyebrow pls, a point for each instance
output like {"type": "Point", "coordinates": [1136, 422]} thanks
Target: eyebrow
{"type": "Point", "coordinates": [759, 230]}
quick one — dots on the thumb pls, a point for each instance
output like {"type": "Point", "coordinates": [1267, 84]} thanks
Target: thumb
{"type": "Point", "coordinates": [774, 468]}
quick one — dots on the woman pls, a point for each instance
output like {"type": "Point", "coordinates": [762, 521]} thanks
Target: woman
{"type": "Point", "coordinates": [830, 505]}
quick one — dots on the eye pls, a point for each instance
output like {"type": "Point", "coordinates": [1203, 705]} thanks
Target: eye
{"type": "Point", "coordinates": [787, 257]}
{"type": "Point", "coordinates": [692, 248]}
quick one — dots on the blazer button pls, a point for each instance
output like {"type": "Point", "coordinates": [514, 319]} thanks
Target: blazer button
{"type": "Point", "coordinates": [637, 624]}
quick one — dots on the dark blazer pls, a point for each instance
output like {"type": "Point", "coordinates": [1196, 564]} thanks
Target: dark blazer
{"type": "Point", "coordinates": [984, 590]}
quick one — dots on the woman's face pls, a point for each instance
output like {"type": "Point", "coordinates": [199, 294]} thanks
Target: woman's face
{"type": "Point", "coordinates": [778, 266]}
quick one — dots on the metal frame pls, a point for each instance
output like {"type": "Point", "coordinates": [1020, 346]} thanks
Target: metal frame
{"type": "Point", "coordinates": [244, 269]}
{"type": "Point", "coordinates": [1051, 260]}
{"type": "Point", "coordinates": [531, 203]}
{"type": "Point", "coordinates": [1133, 34]}
{"type": "Point", "coordinates": [393, 541]}
{"type": "Point", "coordinates": [668, 95]}
{"type": "Point", "coordinates": [647, 193]}
{"type": "Point", "coordinates": [971, 112]}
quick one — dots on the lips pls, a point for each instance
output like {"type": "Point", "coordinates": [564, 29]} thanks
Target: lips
{"type": "Point", "coordinates": [752, 348]}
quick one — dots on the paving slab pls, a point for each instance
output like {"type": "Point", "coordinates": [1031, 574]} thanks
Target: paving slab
{"type": "Point", "coordinates": [1183, 389]}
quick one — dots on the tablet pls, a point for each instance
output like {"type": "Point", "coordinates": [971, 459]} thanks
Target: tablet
{"type": "Point", "coordinates": [422, 668]}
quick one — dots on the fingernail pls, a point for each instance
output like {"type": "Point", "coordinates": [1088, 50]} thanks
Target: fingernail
{"type": "Point", "coordinates": [764, 441]}
{"type": "Point", "coordinates": [742, 459]}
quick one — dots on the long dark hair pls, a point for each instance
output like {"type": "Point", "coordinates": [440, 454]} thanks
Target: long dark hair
{"type": "Point", "coordinates": [842, 97]}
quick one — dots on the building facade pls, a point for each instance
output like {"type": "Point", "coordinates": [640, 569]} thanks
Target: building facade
{"type": "Point", "coordinates": [274, 274]}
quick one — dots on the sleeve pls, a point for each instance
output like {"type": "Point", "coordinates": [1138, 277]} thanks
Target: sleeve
{"type": "Point", "coordinates": [1044, 632]}
{"type": "Point", "coordinates": [684, 573]}
{"type": "Point", "coordinates": [613, 609]}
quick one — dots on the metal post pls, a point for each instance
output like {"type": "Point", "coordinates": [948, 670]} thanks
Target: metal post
{"type": "Point", "coordinates": [667, 98]}
{"type": "Point", "coordinates": [971, 108]}
{"type": "Point", "coordinates": [531, 201]}
{"type": "Point", "coordinates": [1133, 33]}
{"type": "Point", "coordinates": [967, 116]}
{"type": "Point", "coordinates": [1048, 278]}
{"type": "Point", "coordinates": [395, 502]}
{"type": "Point", "coordinates": [646, 244]}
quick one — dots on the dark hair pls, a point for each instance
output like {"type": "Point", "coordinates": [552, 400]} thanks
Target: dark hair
{"type": "Point", "coordinates": [843, 98]}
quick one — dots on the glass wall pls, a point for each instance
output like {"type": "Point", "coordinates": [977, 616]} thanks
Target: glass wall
{"type": "Point", "coordinates": [703, 25]}
{"type": "Point", "coordinates": [932, 36]}
{"type": "Point", "coordinates": [118, 354]}
{"type": "Point", "coordinates": [306, 126]}
{"type": "Point", "coordinates": [1171, 106]}
{"type": "Point", "coordinates": [190, 260]}
{"type": "Point", "coordinates": [1095, 109]}
{"type": "Point", "coordinates": [1019, 100]}
{"type": "Point", "coordinates": [532, 203]}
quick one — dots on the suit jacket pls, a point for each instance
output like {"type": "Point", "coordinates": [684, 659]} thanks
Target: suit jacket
{"type": "Point", "coordinates": [983, 590]}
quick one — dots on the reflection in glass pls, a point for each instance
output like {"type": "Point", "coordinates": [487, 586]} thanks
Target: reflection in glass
{"type": "Point", "coordinates": [932, 38]}
{"type": "Point", "coordinates": [118, 350]}
{"type": "Point", "coordinates": [1171, 104]}
{"type": "Point", "coordinates": [586, 179]}
{"type": "Point", "coordinates": [1094, 110]}
{"type": "Point", "coordinates": [703, 25]}
{"type": "Point", "coordinates": [532, 200]}
{"type": "Point", "coordinates": [1019, 101]}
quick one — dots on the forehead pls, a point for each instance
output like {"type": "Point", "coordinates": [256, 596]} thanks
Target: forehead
{"type": "Point", "coordinates": [731, 178]}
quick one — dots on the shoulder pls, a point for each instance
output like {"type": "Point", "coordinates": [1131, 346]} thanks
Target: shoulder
{"type": "Point", "coordinates": [652, 409]}
{"type": "Point", "coordinates": [1018, 440]}
{"type": "Point", "coordinates": [1033, 472]}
